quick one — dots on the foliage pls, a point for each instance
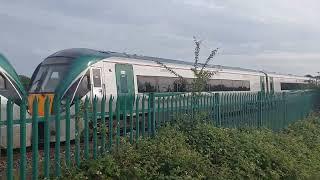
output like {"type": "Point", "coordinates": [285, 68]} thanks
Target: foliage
{"type": "Point", "coordinates": [25, 80]}
{"type": "Point", "coordinates": [191, 148]}
{"type": "Point", "coordinates": [201, 75]}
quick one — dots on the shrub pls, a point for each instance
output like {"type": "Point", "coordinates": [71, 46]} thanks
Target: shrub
{"type": "Point", "coordinates": [190, 148]}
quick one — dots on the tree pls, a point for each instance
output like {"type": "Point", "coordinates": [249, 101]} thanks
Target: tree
{"type": "Point", "coordinates": [201, 75]}
{"type": "Point", "coordinates": [25, 80]}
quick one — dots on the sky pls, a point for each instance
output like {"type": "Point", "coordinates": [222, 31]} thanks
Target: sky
{"type": "Point", "coordinates": [272, 35]}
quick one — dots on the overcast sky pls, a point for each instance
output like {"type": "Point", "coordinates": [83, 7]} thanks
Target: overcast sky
{"type": "Point", "coordinates": [273, 35]}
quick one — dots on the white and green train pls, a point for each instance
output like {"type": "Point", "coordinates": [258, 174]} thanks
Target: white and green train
{"type": "Point", "coordinates": [88, 73]}
{"type": "Point", "coordinates": [11, 88]}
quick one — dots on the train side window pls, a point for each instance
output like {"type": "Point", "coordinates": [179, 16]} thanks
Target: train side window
{"type": "Point", "coordinates": [2, 82]}
{"type": "Point", "coordinates": [147, 84]}
{"type": "Point", "coordinates": [246, 86]}
{"type": "Point", "coordinates": [96, 77]}
{"type": "Point", "coordinates": [124, 83]}
{"type": "Point", "coordinates": [84, 86]}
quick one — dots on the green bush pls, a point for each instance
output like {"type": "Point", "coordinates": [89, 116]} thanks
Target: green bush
{"type": "Point", "coordinates": [190, 148]}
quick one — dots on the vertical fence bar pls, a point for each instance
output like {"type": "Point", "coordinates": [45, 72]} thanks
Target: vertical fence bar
{"type": "Point", "coordinates": [67, 130]}
{"type": "Point", "coordinates": [284, 99]}
{"type": "Point", "coordinates": [131, 118]}
{"type": "Point", "coordinates": [125, 115]}
{"type": "Point", "coordinates": [0, 124]}
{"type": "Point", "coordinates": [57, 136]}
{"type": "Point", "coordinates": [153, 115]}
{"type": "Point", "coordinates": [103, 124]}
{"type": "Point", "coordinates": [163, 110]}
{"type": "Point", "coordinates": [149, 113]}
{"type": "Point", "coordinates": [35, 139]}
{"type": "Point", "coordinates": [46, 138]}
{"type": "Point", "coordinates": [77, 131]}
{"type": "Point", "coordinates": [171, 109]}
{"type": "Point", "coordinates": [110, 122]}
{"type": "Point", "coordinates": [95, 132]}
{"type": "Point", "coordinates": [9, 140]}
{"type": "Point", "coordinates": [137, 119]}
{"type": "Point", "coordinates": [118, 121]}
{"type": "Point", "coordinates": [86, 128]}
{"type": "Point", "coordinates": [259, 109]}
{"type": "Point", "coordinates": [143, 128]}
{"type": "Point", "coordinates": [218, 101]}
{"type": "Point", "coordinates": [23, 156]}
{"type": "Point", "coordinates": [158, 122]}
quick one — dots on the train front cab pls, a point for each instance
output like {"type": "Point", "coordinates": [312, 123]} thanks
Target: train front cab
{"type": "Point", "coordinates": [11, 88]}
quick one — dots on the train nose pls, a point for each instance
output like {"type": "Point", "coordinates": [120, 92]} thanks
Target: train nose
{"type": "Point", "coordinates": [41, 102]}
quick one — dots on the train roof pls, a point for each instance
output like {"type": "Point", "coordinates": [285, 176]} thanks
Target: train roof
{"type": "Point", "coordinates": [75, 53]}
{"type": "Point", "coordinates": [10, 72]}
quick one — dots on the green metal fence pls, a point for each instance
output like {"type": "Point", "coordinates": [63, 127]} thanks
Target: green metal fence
{"type": "Point", "coordinates": [93, 127]}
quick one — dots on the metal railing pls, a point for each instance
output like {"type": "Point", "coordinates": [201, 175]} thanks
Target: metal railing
{"type": "Point", "coordinates": [91, 128]}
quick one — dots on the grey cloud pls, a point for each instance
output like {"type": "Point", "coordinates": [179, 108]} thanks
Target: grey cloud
{"type": "Point", "coordinates": [250, 34]}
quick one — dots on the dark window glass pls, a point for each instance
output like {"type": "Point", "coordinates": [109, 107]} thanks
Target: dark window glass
{"type": "Point", "coordinates": [173, 84]}
{"type": "Point", "coordinates": [48, 77]}
{"type": "Point", "coordinates": [228, 85]}
{"type": "Point", "coordinates": [96, 77]}
{"type": "Point", "coordinates": [8, 90]}
{"type": "Point", "coordinates": [147, 84]}
{"type": "Point", "coordinates": [124, 83]}
{"type": "Point", "coordinates": [83, 88]}
{"type": "Point", "coordinates": [2, 82]}
{"type": "Point", "coordinates": [292, 86]}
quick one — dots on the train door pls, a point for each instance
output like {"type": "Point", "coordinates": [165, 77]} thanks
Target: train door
{"type": "Point", "coordinates": [125, 82]}
{"type": "Point", "coordinates": [271, 84]}
{"type": "Point", "coordinates": [97, 82]}
{"type": "Point", "coordinates": [262, 84]}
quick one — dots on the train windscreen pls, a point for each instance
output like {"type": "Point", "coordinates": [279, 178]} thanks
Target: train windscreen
{"type": "Point", "coordinates": [48, 77]}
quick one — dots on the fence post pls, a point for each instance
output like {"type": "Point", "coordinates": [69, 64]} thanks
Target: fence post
{"type": "Point", "coordinates": [118, 120]}
{"type": "Point", "coordinates": [94, 121]}
{"type": "Point", "coordinates": [77, 132]}
{"type": "Point", "coordinates": [103, 124]}
{"type": "Point", "coordinates": [35, 166]}
{"type": "Point", "coordinates": [143, 128]}
{"type": "Point", "coordinates": [284, 99]}
{"type": "Point", "coordinates": [57, 143]}
{"type": "Point", "coordinates": [46, 139]}
{"type": "Point", "coordinates": [23, 155]}
{"type": "Point", "coordinates": [131, 117]}
{"type": "Point", "coordinates": [137, 119]}
{"type": "Point", "coordinates": [153, 115]}
{"type": "Point", "coordinates": [9, 140]}
{"type": "Point", "coordinates": [110, 122]}
{"type": "Point", "coordinates": [259, 101]}
{"type": "Point", "coordinates": [218, 109]}
{"type": "Point", "coordinates": [86, 128]}
{"type": "Point", "coordinates": [150, 110]}
{"type": "Point", "coordinates": [67, 130]}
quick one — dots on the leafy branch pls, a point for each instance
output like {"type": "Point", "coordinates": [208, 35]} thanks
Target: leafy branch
{"type": "Point", "coordinates": [201, 76]}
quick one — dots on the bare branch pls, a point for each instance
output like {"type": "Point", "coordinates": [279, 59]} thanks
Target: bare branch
{"type": "Point", "coordinates": [212, 54]}
{"type": "Point", "coordinates": [196, 51]}
{"type": "Point", "coordinates": [170, 70]}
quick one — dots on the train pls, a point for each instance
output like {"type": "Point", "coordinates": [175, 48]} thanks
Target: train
{"type": "Point", "coordinates": [83, 72]}
{"type": "Point", "coordinates": [11, 88]}
{"type": "Point", "coordinates": [87, 73]}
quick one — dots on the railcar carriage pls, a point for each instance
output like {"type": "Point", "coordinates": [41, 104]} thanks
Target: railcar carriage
{"type": "Point", "coordinates": [11, 88]}
{"type": "Point", "coordinates": [88, 73]}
